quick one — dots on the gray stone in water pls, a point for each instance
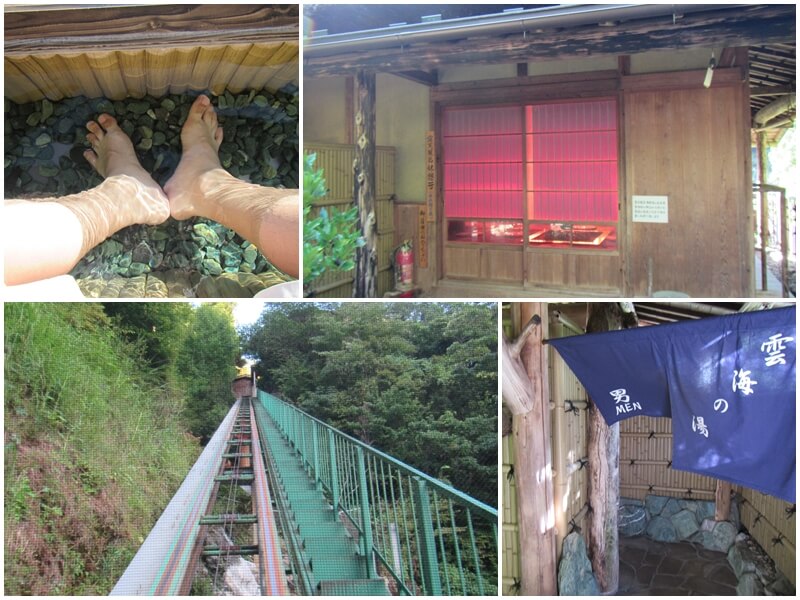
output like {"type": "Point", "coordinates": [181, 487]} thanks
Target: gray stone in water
{"type": "Point", "coordinates": [575, 577]}
{"type": "Point", "coordinates": [655, 504]}
{"type": "Point", "coordinates": [632, 520]}
{"type": "Point", "coordinates": [749, 585]}
{"type": "Point", "coordinates": [671, 508]}
{"type": "Point", "coordinates": [781, 587]}
{"type": "Point", "coordinates": [705, 509]}
{"type": "Point", "coordinates": [722, 536]}
{"type": "Point", "coordinates": [685, 524]}
{"type": "Point", "coordinates": [661, 530]}
{"type": "Point", "coordinates": [742, 558]}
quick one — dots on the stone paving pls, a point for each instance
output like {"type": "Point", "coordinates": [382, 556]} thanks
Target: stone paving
{"type": "Point", "coordinates": [649, 568]}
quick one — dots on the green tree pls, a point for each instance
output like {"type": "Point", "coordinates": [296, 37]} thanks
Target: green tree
{"type": "Point", "coordinates": [206, 364]}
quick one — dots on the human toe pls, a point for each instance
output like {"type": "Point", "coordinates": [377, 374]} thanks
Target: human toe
{"type": "Point", "coordinates": [91, 157]}
{"type": "Point", "coordinates": [96, 130]}
{"type": "Point", "coordinates": [108, 122]}
{"type": "Point", "coordinates": [199, 106]}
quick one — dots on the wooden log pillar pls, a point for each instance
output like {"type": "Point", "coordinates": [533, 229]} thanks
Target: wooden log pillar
{"type": "Point", "coordinates": [722, 501]}
{"type": "Point", "coordinates": [526, 395]}
{"type": "Point", "coordinates": [366, 277]}
{"type": "Point", "coordinates": [761, 144]}
{"type": "Point", "coordinates": [603, 472]}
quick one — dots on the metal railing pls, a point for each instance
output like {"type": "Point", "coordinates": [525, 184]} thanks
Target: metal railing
{"type": "Point", "coordinates": [421, 535]}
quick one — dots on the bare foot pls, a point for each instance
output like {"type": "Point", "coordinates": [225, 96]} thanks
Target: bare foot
{"type": "Point", "coordinates": [200, 137]}
{"type": "Point", "coordinates": [112, 154]}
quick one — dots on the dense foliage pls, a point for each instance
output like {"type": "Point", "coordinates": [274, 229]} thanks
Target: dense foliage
{"type": "Point", "coordinates": [417, 381]}
{"type": "Point", "coordinates": [205, 363]}
{"type": "Point", "coordinates": [331, 238]}
{"type": "Point", "coordinates": [94, 448]}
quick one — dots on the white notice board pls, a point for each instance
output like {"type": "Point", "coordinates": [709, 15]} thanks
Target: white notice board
{"type": "Point", "coordinates": [651, 209]}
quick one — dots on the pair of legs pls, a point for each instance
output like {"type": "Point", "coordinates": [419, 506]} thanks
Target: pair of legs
{"type": "Point", "coordinates": [45, 238]}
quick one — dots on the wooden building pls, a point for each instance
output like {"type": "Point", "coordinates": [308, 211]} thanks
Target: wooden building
{"type": "Point", "coordinates": [557, 150]}
{"type": "Point", "coordinates": [551, 462]}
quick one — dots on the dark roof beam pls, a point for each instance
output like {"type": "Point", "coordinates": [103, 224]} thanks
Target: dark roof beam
{"type": "Point", "coordinates": [762, 24]}
{"type": "Point", "coordinates": [428, 78]}
{"type": "Point", "coordinates": [771, 90]}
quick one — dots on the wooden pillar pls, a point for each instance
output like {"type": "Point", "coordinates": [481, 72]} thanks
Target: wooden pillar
{"type": "Point", "coordinates": [366, 277]}
{"type": "Point", "coordinates": [722, 505]}
{"type": "Point", "coordinates": [762, 180]}
{"type": "Point", "coordinates": [603, 472]}
{"type": "Point", "coordinates": [526, 394]}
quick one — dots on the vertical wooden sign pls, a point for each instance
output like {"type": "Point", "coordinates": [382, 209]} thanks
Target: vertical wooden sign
{"type": "Point", "coordinates": [430, 175]}
{"type": "Point", "coordinates": [422, 233]}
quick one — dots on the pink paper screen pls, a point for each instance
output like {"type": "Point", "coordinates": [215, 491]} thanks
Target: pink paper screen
{"type": "Point", "coordinates": [568, 169]}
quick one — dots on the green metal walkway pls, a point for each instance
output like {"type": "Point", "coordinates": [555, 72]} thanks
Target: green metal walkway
{"type": "Point", "coordinates": [326, 515]}
{"type": "Point", "coordinates": [329, 554]}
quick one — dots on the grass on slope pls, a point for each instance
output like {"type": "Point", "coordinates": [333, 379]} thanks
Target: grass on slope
{"type": "Point", "coordinates": [93, 449]}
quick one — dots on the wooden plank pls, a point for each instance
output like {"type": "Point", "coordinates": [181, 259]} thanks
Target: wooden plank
{"type": "Point", "coordinates": [365, 284]}
{"type": "Point", "coordinates": [126, 27]}
{"type": "Point", "coordinates": [681, 80]}
{"type": "Point", "coordinates": [602, 449]}
{"type": "Point", "coordinates": [697, 163]}
{"type": "Point", "coordinates": [533, 477]}
{"type": "Point", "coordinates": [574, 89]}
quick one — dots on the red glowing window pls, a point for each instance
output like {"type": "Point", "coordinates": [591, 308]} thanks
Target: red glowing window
{"type": "Point", "coordinates": [554, 164]}
{"type": "Point", "coordinates": [571, 161]}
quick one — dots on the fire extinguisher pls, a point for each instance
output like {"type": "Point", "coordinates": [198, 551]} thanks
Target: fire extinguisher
{"type": "Point", "coordinates": [404, 266]}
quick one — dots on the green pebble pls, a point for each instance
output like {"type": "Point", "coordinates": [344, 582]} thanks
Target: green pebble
{"type": "Point", "coordinates": [33, 119]}
{"type": "Point", "coordinates": [47, 109]}
{"type": "Point", "coordinates": [260, 101]}
{"type": "Point", "coordinates": [30, 151]}
{"type": "Point", "coordinates": [159, 138]}
{"type": "Point", "coordinates": [151, 113]}
{"type": "Point", "coordinates": [206, 233]}
{"type": "Point", "coordinates": [212, 267]}
{"type": "Point", "coordinates": [125, 260]}
{"type": "Point", "coordinates": [250, 253]}
{"type": "Point", "coordinates": [65, 126]}
{"type": "Point", "coordinates": [46, 153]}
{"type": "Point", "coordinates": [137, 269]}
{"type": "Point", "coordinates": [213, 254]}
{"type": "Point", "coordinates": [168, 104]}
{"type": "Point", "coordinates": [145, 144]}
{"type": "Point", "coordinates": [8, 161]}
{"type": "Point", "coordinates": [146, 131]}
{"type": "Point", "coordinates": [138, 108]}
{"type": "Point", "coordinates": [43, 139]}
{"type": "Point", "coordinates": [48, 170]}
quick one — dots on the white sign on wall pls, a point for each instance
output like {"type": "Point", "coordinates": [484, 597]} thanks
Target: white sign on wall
{"type": "Point", "coordinates": [651, 209]}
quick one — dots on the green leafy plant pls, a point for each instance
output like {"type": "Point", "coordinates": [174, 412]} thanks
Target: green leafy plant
{"type": "Point", "coordinates": [330, 239]}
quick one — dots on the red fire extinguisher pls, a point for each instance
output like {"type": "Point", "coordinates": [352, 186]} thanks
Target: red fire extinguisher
{"type": "Point", "coordinates": [404, 266]}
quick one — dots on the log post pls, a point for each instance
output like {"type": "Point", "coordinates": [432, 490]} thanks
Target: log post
{"type": "Point", "coordinates": [722, 505]}
{"type": "Point", "coordinates": [603, 472]}
{"type": "Point", "coordinates": [366, 277]}
{"type": "Point", "coordinates": [526, 395]}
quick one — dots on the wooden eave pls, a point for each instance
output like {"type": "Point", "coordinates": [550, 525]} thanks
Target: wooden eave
{"type": "Point", "coordinates": [33, 30]}
{"type": "Point", "coordinates": [743, 26]}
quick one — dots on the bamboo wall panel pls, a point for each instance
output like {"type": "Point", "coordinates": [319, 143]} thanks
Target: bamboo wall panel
{"type": "Point", "coordinates": [117, 74]}
{"type": "Point", "coordinates": [689, 145]}
{"type": "Point", "coordinates": [336, 160]}
{"type": "Point", "coordinates": [647, 441]}
{"type": "Point", "coordinates": [768, 519]}
{"type": "Point", "coordinates": [568, 443]}
{"type": "Point", "coordinates": [510, 567]}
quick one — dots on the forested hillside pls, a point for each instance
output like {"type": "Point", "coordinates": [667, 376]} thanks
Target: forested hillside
{"type": "Point", "coordinates": [417, 381]}
{"type": "Point", "coordinates": [99, 405]}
